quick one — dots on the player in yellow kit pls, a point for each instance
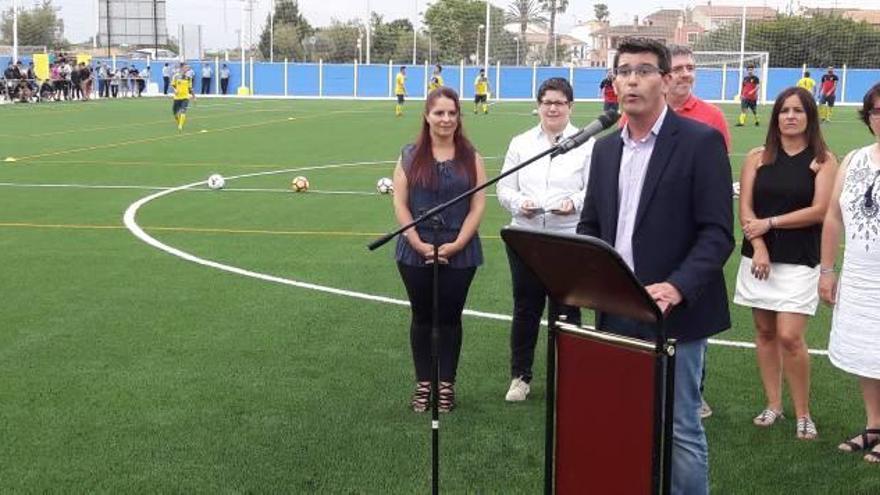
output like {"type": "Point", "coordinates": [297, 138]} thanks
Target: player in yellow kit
{"type": "Point", "coordinates": [183, 91]}
{"type": "Point", "coordinates": [807, 83]}
{"type": "Point", "coordinates": [481, 92]}
{"type": "Point", "coordinates": [400, 90]}
{"type": "Point", "coordinates": [436, 78]}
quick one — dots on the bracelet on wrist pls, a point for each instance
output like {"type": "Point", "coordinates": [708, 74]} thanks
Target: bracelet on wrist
{"type": "Point", "coordinates": [772, 222]}
{"type": "Point", "coordinates": [824, 271]}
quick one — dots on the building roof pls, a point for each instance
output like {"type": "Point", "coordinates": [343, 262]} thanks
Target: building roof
{"type": "Point", "coordinates": [640, 30]}
{"type": "Point", "coordinates": [726, 11]}
{"type": "Point", "coordinates": [858, 15]}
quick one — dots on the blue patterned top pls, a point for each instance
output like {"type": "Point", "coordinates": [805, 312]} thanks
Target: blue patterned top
{"type": "Point", "coordinates": [452, 181]}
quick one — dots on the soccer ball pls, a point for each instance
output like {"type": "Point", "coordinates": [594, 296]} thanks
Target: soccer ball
{"type": "Point", "coordinates": [534, 111]}
{"type": "Point", "coordinates": [736, 189]}
{"type": "Point", "coordinates": [385, 186]}
{"type": "Point", "coordinates": [299, 184]}
{"type": "Point", "coordinates": [216, 181]}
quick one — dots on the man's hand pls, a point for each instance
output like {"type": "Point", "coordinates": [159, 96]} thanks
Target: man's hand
{"type": "Point", "coordinates": [665, 295]}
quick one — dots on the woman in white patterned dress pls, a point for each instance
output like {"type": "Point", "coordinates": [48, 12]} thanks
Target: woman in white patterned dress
{"type": "Point", "coordinates": [855, 329]}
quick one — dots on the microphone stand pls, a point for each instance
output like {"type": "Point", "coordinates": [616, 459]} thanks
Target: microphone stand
{"type": "Point", "coordinates": [432, 215]}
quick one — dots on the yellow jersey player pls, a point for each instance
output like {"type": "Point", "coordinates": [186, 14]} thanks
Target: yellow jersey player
{"type": "Point", "coordinates": [481, 92]}
{"type": "Point", "coordinates": [183, 91]}
{"type": "Point", "coordinates": [436, 78]}
{"type": "Point", "coordinates": [400, 90]}
{"type": "Point", "coordinates": [807, 83]}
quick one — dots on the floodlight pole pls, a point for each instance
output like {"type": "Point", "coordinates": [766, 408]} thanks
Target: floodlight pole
{"type": "Point", "coordinates": [155, 28]}
{"type": "Point", "coordinates": [15, 31]}
{"type": "Point", "coordinates": [369, 28]}
{"type": "Point", "coordinates": [241, 45]}
{"type": "Point", "coordinates": [272, 34]}
{"type": "Point", "coordinates": [488, 28]}
{"type": "Point", "coordinates": [416, 3]}
{"type": "Point", "coordinates": [108, 30]}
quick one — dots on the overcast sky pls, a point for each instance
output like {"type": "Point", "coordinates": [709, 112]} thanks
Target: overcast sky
{"type": "Point", "coordinates": [221, 18]}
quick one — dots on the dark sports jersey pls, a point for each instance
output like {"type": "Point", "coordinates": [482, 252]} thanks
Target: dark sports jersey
{"type": "Point", "coordinates": [829, 84]}
{"type": "Point", "coordinates": [608, 92]}
{"type": "Point", "coordinates": [750, 88]}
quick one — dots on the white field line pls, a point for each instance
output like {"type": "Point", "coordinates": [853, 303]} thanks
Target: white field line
{"type": "Point", "coordinates": [129, 219]}
{"type": "Point", "coordinates": [200, 189]}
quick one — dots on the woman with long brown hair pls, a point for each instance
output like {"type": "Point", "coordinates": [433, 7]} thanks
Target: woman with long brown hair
{"type": "Point", "coordinates": [440, 165]}
{"type": "Point", "coordinates": [785, 190]}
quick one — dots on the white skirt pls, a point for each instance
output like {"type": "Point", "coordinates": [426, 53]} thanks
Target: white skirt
{"type": "Point", "coordinates": [788, 289]}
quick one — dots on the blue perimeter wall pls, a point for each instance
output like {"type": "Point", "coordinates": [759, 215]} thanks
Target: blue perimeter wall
{"type": "Point", "coordinates": [516, 82]}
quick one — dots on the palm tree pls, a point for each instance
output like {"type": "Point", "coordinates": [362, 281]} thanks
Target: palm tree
{"type": "Point", "coordinates": [525, 12]}
{"type": "Point", "coordinates": [553, 7]}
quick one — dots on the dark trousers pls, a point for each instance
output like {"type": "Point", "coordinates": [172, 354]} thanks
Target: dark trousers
{"type": "Point", "coordinates": [165, 81]}
{"type": "Point", "coordinates": [529, 296]}
{"type": "Point", "coordinates": [454, 286]}
{"type": "Point", "coordinates": [224, 84]}
{"type": "Point", "coordinates": [206, 85]}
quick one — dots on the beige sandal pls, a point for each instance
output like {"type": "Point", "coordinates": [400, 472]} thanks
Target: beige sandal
{"type": "Point", "coordinates": [806, 428]}
{"type": "Point", "coordinates": [767, 417]}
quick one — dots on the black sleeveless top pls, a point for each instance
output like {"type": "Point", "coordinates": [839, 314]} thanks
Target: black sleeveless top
{"type": "Point", "coordinates": [781, 187]}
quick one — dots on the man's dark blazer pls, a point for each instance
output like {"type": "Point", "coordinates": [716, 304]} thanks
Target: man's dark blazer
{"type": "Point", "coordinates": [684, 223]}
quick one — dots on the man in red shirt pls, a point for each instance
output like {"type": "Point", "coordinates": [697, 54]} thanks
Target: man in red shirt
{"type": "Point", "coordinates": [749, 96]}
{"type": "Point", "coordinates": [827, 91]}
{"type": "Point", "coordinates": [681, 97]}
{"type": "Point", "coordinates": [609, 95]}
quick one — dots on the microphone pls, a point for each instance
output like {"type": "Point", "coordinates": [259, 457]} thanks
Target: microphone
{"type": "Point", "coordinates": [603, 122]}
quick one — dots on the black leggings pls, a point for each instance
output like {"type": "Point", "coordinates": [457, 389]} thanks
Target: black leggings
{"type": "Point", "coordinates": [529, 296]}
{"type": "Point", "coordinates": [454, 286]}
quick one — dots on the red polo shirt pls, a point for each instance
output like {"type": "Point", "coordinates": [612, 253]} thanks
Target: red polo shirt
{"type": "Point", "coordinates": [706, 113]}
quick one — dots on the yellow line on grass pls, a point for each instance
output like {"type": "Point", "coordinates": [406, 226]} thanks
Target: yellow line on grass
{"type": "Point", "coordinates": [176, 135]}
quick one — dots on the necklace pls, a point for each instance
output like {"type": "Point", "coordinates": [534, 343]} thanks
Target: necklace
{"type": "Point", "coordinates": [869, 206]}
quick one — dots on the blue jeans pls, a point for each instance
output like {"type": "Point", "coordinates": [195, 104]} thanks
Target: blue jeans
{"type": "Point", "coordinates": [690, 452]}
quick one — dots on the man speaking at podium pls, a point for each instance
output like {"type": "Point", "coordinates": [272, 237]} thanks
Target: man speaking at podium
{"type": "Point", "coordinates": [660, 192]}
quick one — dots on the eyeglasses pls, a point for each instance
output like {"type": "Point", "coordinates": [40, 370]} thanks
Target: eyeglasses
{"type": "Point", "coordinates": [874, 113]}
{"type": "Point", "coordinates": [641, 71]}
{"type": "Point", "coordinates": [553, 103]}
{"type": "Point", "coordinates": [679, 69]}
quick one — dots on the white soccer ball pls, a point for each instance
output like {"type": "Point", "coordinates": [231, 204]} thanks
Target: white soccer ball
{"type": "Point", "coordinates": [385, 186]}
{"type": "Point", "coordinates": [216, 181]}
{"type": "Point", "coordinates": [299, 184]}
{"type": "Point", "coordinates": [534, 111]}
{"type": "Point", "coordinates": [736, 189]}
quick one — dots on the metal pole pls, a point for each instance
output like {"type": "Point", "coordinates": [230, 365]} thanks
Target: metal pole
{"type": "Point", "coordinates": [416, 3]}
{"type": "Point", "coordinates": [272, 34]}
{"type": "Point", "coordinates": [369, 28]}
{"type": "Point", "coordinates": [486, 47]}
{"type": "Point", "coordinates": [742, 47]}
{"type": "Point", "coordinates": [477, 51]}
{"type": "Point", "coordinates": [108, 28]}
{"type": "Point", "coordinates": [156, 28]}
{"type": "Point", "coordinates": [241, 45]}
{"type": "Point", "coordinates": [15, 31]}
{"type": "Point", "coordinates": [97, 24]}
{"type": "Point", "coordinates": [517, 50]}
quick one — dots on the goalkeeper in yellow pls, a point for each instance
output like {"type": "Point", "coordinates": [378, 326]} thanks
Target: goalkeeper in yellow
{"type": "Point", "coordinates": [400, 90]}
{"type": "Point", "coordinates": [183, 91]}
{"type": "Point", "coordinates": [481, 92]}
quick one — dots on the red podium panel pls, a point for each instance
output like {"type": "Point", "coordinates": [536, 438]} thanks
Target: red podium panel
{"type": "Point", "coordinates": [605, 417]}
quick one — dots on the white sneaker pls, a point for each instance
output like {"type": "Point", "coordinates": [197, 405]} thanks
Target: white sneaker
{"type": "Point", "coordinates": [518, 391]}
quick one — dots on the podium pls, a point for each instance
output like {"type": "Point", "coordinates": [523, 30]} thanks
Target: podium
{"type": "Point", "coordinates": [609, 397]}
